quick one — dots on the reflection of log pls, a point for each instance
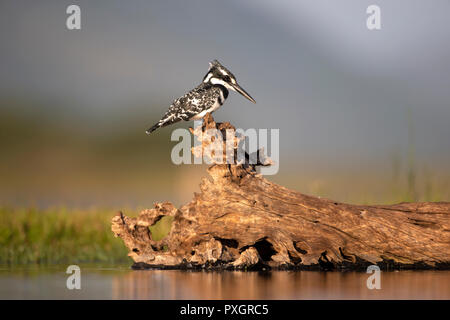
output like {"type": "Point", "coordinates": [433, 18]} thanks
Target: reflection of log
{"type": "Point", "coordinates": [241, 220]}
{"type": "Point", "coordinates": [167, 284]}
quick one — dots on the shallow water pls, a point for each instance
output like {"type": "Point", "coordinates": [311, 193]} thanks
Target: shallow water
{"type": "Point", "coordinates": [100, 282]}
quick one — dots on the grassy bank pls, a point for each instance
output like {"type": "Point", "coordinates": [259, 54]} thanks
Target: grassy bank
{"type": "Point", "coordinates": [58, 236]}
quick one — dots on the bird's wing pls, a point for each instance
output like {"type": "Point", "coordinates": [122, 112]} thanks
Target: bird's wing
{"type": "Point", "coordinates": [189, 105]}
{"type": "Point", "coordinates": [184, 108]}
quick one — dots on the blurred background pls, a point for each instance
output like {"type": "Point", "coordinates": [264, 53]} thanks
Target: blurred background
{"type": "Point", "coordinates": [363, 115]}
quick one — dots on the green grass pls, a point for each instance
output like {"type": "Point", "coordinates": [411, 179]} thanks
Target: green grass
{"type": "Point", "coordinates": [58, 236]}
{"type": "Point", "coordinates": [161, 228]}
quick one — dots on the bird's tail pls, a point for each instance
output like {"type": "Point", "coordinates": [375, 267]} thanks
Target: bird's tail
{"type": "Point", "coordinates": [156, 126]}
{"type": "Point", "coordinates": [165, 121]}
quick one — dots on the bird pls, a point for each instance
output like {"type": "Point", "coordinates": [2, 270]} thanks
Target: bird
{"type": "Point", "coordinates": [207, 97]}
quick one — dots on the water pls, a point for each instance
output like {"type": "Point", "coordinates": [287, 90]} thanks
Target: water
{"type": "Point", "coordinates": [99, 282]}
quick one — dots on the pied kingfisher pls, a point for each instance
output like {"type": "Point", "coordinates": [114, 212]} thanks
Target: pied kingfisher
{"type": "Point", "coordinates": [206, 97]}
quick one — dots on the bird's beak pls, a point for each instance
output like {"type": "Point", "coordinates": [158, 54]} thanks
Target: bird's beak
{"type": "Point", "coordinates": [243, 92]}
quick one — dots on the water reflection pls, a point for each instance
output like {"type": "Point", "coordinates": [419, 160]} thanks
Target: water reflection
{"type": "Point", "coordinates": [279, 285]}
{"type": "Point", "coordinates": [123, 283]}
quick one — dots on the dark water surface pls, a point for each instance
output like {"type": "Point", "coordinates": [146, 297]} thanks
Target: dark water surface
{"type": "Point", "coordinates": [99, 282]}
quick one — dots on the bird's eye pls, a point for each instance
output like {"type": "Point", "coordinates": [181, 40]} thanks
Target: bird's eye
{"type": "Point", "coordinates": [227, 78]}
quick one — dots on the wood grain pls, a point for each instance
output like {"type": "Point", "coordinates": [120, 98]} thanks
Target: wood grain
{"type": "Point", "coordinates": [240, 220]}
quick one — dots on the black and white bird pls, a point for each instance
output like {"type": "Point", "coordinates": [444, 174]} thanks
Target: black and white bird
{"type": "Point", "coordinates": [206, 97]}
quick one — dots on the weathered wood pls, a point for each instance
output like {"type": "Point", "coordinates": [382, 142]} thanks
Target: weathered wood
{"type": "Point", "coordinates": [241, 220]}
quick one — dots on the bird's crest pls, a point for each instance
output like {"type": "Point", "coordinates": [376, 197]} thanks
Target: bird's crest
{"type": "Point", "coordinates": [219, 68]}
{"type": "Point", "coordinates": [214, 63]}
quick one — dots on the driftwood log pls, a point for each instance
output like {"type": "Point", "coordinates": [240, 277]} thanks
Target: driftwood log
{"type": "Point", "coordinates": [240, 220]}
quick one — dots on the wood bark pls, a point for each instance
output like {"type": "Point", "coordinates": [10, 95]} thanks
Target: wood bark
{"type": "Point", "coordinates": [240, 220]}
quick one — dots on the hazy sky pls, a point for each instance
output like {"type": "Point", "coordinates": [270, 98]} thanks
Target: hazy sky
{"type": "Point", "coordinates": [334, 88]}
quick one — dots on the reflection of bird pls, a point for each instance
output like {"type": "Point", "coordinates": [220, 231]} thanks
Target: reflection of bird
{"type": "Point", "coordinates": [206, 97]}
